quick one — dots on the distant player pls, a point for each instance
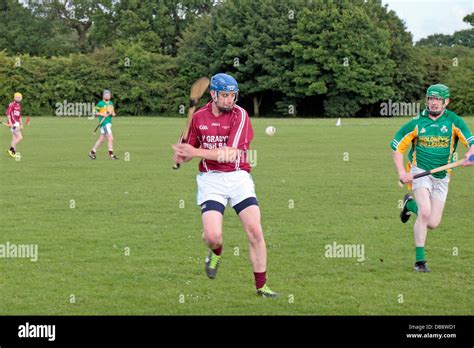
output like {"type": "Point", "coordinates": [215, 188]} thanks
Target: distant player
{"type": "Point", "coordinates": [15, 122]}
{"type": "Point", "coordinates": [220, 135]}
{"type": "Point", "coordinates": [105, 109]}
{"type": "Point", "coordinates": [432, 138]}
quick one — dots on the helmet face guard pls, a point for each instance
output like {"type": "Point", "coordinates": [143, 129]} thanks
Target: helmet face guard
{"type": "Point", "coordinates": [223, 83]}
{"type": "Point", "coordinates": [224, 108]}
{"type": "Point", "coordinates": [435, 112]}
{"type": "Point", "coordinates": [438, 91]}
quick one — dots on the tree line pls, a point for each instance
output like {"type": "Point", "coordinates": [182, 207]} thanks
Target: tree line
{"type": "Point", "coordinates": [291, 57]}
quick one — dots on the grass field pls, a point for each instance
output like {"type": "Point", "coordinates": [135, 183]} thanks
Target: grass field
{"type": "Point", "coordinates": [124, 237]}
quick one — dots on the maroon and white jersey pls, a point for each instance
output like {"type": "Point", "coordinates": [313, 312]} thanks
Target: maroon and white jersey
{"type": "Point", "coordinates": [14, 112]}
{"type": "Point", "coordinates": [232, 129]}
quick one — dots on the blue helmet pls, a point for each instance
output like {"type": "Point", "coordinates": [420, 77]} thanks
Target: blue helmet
{"type": "Point", "coordinates": [223, 83]}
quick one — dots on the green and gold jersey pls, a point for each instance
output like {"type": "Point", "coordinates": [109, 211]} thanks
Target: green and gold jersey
{"type": "Point", "coordinates": [103, 107]}
{"type": "Point", "coordinates": [433, 143]}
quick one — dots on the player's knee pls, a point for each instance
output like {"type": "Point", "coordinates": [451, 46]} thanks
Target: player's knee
{"type": "Point", "coordinates": [424, 214]}
{"type": "Point", "coordinates": [255, 233]}
{"type": "Point", "coordinates": [433, 224]}
{"type": "Point", "coordinates": [212, 239]}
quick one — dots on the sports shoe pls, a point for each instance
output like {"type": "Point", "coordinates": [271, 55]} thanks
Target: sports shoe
{"type": "Point", "coordinates": [11, 153]}
{"type": "Point", "coordinates": [420, 266]}
{"type": "Point", "coordinates": [113, 157]}
{"type": "Point", "coordinates": [405, 214]}
{"type": "Point", "coordinates": [265, 291]}
{"type": "Point", "coordinates": [212, 263]}
{"type": "Point", "coordinates": [92, 156]}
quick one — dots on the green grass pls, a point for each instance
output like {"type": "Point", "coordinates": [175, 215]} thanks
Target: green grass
{"type": "Point", "coordinates": [136, 204]}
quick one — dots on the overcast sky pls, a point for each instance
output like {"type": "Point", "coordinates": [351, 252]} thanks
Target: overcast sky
{"type": "Point", "coordinates": [427, 17]}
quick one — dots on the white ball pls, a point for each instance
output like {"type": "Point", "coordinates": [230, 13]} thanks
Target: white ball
{"type": "Point", "coordinates": [270, 130]}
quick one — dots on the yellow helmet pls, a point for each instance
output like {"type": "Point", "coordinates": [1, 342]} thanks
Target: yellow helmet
{"type": "Point", "coordinates": [17, 95]}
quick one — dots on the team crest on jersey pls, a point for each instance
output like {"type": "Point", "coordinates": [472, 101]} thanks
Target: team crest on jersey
{"type": "Point", "coordinates": [444, 129]}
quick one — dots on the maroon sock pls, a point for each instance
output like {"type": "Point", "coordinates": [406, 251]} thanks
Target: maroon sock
{"type": "Point", "coordinates": [260, 279]}
{"type": "Point", "coordinates": [111, 153]}
{"type": "Point", "coordinates": [93, 152]}
{"type": "Point", "coordinates": [218, 251]}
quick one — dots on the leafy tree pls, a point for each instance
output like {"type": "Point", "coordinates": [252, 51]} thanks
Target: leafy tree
{"type": "Point", "coordinates": [21, 32]}
{"type": "Point", "coordinates": [343, 54]}
{"type": "Point", "coordinates": [469, 19]}
{"type": "Point", "coordinates": [158, 25]}
{"type": "Point", "coordinates": [76, 16]}
{"type": "Point", "coordinates": [460, 38]}
{"type": "Point", "coordinates": [453, 66]}
{"type": "Point", "coordinates": [145, 83]}
{"type": "Point", "coordinates": [243, 38]}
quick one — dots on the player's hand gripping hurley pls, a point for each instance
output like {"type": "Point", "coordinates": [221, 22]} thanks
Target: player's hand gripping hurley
{"type": "Point", "coordinates": [27, 122]}
{"type": "Point", "coordinates": [100, 123]}
{"type": "Point", "coordinates": [440, 169]}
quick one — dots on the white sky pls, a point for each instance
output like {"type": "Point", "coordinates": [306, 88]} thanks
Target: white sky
{"type": "Point", "coordinates": [427, 17]}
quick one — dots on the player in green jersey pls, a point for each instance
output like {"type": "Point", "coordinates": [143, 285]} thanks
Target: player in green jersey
{"type": "Point", "coordinates": [432, 137]}
{"type": "Point", "coordinates": [105, 109]}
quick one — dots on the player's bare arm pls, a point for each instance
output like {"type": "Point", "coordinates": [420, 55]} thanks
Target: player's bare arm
{"type": "Point", "coordinates": [181, 159]}
{"type": "Point", "coordinates": [402, 174]}
{"type": "Point", "coordinates": [224, 154]}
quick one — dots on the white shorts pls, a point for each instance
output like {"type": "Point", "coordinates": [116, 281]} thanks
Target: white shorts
{"type": "Point", "coordinates": [438, 188]}
{"type": "Point", "coordinates": [107, 129]}
{"type": "Point", "coordinates": [223, 187]}
{"type": "Point", "coordinates": [15, 128]}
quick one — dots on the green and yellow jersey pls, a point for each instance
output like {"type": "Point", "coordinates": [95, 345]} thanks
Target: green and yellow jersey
{"type": "Point", "coordinates": [433, 142]}
{"type": "Point", "coordinates": [103, 107]}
